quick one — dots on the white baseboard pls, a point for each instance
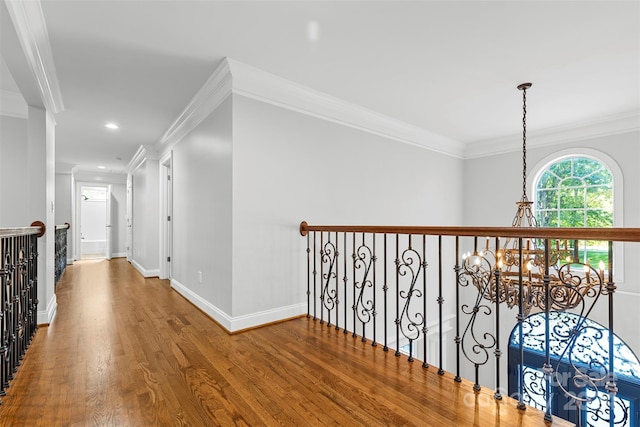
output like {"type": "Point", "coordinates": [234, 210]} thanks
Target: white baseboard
{"type": "Point", "coordinates": [119, 255]}
{"type": "Point", "coordinates": [45, 317]}
{"type": "Point", "coordinates": [69, 261]}
{"type": "Point", "coordinates": [144, 271]}
{"type": "Point", "coordinates": [238, 323]}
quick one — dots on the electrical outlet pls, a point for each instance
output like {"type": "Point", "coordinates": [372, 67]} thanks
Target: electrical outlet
{"type": "Point", "coordinates": [199, 276]}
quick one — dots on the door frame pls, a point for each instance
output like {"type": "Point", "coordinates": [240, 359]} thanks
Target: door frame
{"type": "Point", "coordinates": [166, 215]}
{"type": "Point", "coordinates": [77, 221]}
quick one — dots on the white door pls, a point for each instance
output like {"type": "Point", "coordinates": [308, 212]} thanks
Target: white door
{"type": "Point", "coordinates": [94, 221]}
{"type": "Point", "coordinates": [108, 223]}
{"type": "Point", "coordinates": [129, 217]}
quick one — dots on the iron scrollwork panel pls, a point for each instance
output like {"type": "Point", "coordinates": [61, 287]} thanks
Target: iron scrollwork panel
{"type": "Point", "coordinates": [363, 260]}
{"type": "Point", "coordinates": [411, 320]}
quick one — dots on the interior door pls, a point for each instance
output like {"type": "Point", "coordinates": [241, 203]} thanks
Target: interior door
{"type": "Point", "coordinates": [129, 217]}
{"type": "Point", "coordinates": [108, 223]}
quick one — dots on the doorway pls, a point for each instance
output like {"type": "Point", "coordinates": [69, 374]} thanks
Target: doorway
{"type": "Point", "coordinates": [95, 221]}
{"type": "Point", "coordinates": [166, 233]}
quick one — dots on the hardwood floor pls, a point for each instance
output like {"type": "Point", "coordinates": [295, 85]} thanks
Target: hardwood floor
{"type": "Point", "coordinates": [125, 351]}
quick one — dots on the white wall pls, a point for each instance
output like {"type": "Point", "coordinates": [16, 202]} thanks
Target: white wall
{"type": "Point", "coordinates": [146, 218]}
{"type": "Point", "coordinates": [240, 194]}
{"type": "Point", "coordinates": [64, 186]}
{"type": "Point", "coordinates": [119, 219]}
{"type": "Point", "coordinates": [493, 184]}
{"type": "Point", "coordinates": [289, 167]}
{"type": "Point", "coordinates": [14, 207]}
{"type": "Point", "coordinates": [202, 223]}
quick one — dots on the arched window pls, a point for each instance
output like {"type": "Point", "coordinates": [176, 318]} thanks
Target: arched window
{"type": "Point", "coordinates": [577, 191]}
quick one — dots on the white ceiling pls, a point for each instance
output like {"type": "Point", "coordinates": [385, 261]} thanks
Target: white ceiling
{"type": "Point", "coordinates": [450, 67]}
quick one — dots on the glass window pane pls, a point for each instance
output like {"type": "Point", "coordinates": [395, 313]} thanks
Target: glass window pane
{"type": "Point", "coordinates": [571, 182]}
{"type": "Point", "coordinates": [603, 176]}
{"type": "Point", "coordinates": [562, 168]}
{"type": "Point", "coordinates": [548, 180]}
{"type": "Point", "coordinates": [572, 219]}
{"type": "Point", "coordinates": [583, 166]}
{"type": "Point", "coordinates": [600, 197]}
{"type": "Point", "coordinates": [571, 198]}
{"type": "Point", "coordinates": [547, 199]}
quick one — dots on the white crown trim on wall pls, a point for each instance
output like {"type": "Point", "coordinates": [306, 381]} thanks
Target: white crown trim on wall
{"type": "Point", "coordinates": [13, 105]}
{"type": "Point", "coordinates": [606, 126]}
{"type": "Point", "coordinates": [205, 101]}
{"type": "Point", "coordinates": [257, 84]}
{"type": "Point", "coordinates": [241, 79]}
{"type": "Point", "coordinates": [28, 19]}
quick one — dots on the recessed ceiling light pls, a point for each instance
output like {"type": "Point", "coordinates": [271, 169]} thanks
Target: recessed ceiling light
{"type": "Point", "coordinates": [112, 125]}
{"type": "Point", "coordinates": [101, 167]}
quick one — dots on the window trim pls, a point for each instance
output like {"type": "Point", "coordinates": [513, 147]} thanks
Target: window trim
{"type": "Point", "coordinates": [618, 200]}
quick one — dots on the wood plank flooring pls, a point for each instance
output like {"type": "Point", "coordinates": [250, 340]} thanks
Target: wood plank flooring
{"type": "Point", "coordinates": [125, 351]}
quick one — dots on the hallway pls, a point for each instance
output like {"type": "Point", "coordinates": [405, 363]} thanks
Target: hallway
{"type": "Point", "coordinates": [125, 351]}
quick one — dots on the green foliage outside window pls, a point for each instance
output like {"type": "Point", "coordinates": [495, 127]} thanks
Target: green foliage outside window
{"type": "Point", "coordinates": [577, 192]}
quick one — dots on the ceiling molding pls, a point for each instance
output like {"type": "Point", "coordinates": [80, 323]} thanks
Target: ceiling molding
{"type": "Point", "coordinates": [238, 78]}
{"type": "Point", "coordinates": [28, 19]}
{"type": "Point", "coordinates": [606, 126]}
{"type": "Point", "coordinates": [13, 105]}
{"type": "Point", "coordinates": [260, 85]}
{"type": "Point", "coordinates": [215, 90]}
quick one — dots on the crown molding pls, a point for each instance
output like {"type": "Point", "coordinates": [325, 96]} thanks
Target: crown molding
{"type": "Point", "coordinates": [265, 87]}
{"type": "Point", "coordinates": [606, 126]}
{"type": "Point", "coordinates": [31, 28]}
{"type": "Point", "coordinates": [13, 105]}
{"type": "Point", "coordinates": [235, 77]}
{"type": "Point", "coordinates": [214, 91]}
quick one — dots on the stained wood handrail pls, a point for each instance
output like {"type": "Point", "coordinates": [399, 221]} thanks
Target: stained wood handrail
{"type": "Point", "coordinates": [37, 227]}
{"type": "Point", "coordinates": [620, 234]}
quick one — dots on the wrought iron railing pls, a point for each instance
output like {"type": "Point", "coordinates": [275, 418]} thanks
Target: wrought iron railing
{"type": "Point", "coordinates": [61, 249]}
{"type": "Point", "coordinates": [18, 296]}
{"type": "Point", "coordinates": [449, 296]}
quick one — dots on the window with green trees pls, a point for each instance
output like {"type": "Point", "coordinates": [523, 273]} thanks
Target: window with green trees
{"type": "Point", "coordinates": [577, 192]}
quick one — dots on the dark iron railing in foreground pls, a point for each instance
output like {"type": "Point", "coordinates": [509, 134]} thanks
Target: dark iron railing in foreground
{"type": "Point", "coordinates": [61, 249]}
{"type": "Point", "coordinates": [410, 288]}
{"type": "Point", "coordinates": [18, 296]}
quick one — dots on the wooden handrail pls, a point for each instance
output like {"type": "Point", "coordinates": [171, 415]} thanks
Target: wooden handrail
{"type": "Point", "coordinates": [37, 227]}
{"type": "Point", "coordinates": [605, 234]}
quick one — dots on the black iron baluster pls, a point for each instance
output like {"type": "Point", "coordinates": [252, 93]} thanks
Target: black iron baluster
{"type": "Point", "coordinates": [520, 318]}
{"type": "Point", "coordinates": [308, 275]}
{"type": "Point", "coordinates": [497, 395]}
{"type": "Point", "coordinates": [337, 299]}
{"type": "Point", "coordinates": [322, 277]}
{"type": "Point", "coordinates": [547, 368]}
{"type": "Point", "coordinates": [345, 280]}
{"type": "Point", "coordinates": [457, 339]}
{"type": "Point", "coordinates": [315, 275]}
{"type": "Point", "coordinates": [384, 290]}
{"type": "Point", "coordinates": [4, 276]}
{"type": "Point", "coordinates": [362, 291]}
{"type": "Point", "coordinates": [424, 301]}
{"type": "Point", "coordinates": [440, 303]}
{"type": "Point", "coordinates": [611, 384]}
{"type": "Point", "coordinates": [353, 307]}
{"type": "Point", "coordinates": [374, 312]}
{"type": "Point", "coordinates": [397, 321]}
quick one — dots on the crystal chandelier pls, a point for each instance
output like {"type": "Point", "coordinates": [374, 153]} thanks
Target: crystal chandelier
{"type": "Point", "coordinates": [522, 266]}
